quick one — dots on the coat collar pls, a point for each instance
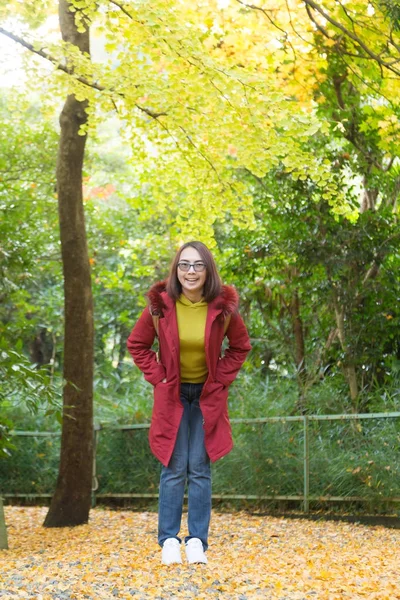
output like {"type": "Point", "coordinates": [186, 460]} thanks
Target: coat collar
{"type": "Point", "coordinates": [159, 301]}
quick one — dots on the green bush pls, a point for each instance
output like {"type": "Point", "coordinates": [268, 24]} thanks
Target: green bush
{"type": "Point", "coordinates": [32, 467]}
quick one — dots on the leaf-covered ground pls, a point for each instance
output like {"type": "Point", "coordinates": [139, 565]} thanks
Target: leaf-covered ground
{"type": "Point", "coordinates": [116, 556]}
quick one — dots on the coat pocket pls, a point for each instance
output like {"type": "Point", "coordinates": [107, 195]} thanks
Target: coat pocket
{"type": "Point", "coordinates": [166, 413]}
{"type": "Point", "coordinates": [214, 403]}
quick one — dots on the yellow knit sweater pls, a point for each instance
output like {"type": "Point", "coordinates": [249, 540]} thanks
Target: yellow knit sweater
{"type": "Point", "coordinates": [191, 325]}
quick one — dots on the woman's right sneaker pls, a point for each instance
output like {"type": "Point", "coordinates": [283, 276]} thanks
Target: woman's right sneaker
{"type": "Point", "coordinates": [171, 552]}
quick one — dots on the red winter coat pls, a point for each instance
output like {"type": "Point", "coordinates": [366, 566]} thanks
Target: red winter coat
{"type": "Point", "coordinates": [168, 409]}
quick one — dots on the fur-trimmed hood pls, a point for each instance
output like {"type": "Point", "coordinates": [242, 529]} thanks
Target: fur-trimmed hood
{"type": "Point", "coordinates": [227, 301]}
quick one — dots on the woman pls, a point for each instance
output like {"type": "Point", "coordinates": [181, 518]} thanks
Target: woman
{"type": "Point", "coordinates": [190, 313]}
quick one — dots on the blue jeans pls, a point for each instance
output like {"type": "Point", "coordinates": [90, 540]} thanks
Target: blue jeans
{"type": "Point", "coordinates": [189, 462]}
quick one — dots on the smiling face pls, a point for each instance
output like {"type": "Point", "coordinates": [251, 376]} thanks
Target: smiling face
{"type": "Point", "coordinates": [192, 282]}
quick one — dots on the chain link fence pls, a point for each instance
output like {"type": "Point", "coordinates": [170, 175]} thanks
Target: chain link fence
{"type": "Point", "coordinates": [315, 459]}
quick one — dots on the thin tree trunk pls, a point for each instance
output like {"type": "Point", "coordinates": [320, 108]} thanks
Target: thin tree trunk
{"type": "Point", "coordinates": [351, 376]}
{"type": "Point", "coordinates": [300, 354]}
{"type": "Point", "coordinates": [369, 197]}
{"type": "Point", "coordinates": [123, 334]}
{"type": "Point", "coordinates": [72, 499]}
{"type": "Point", "coordinates": [3, 528]}
{"type": "Point", "coordinates": [298, 331]}
{"type": "Point", "coordinates": [349, 366]}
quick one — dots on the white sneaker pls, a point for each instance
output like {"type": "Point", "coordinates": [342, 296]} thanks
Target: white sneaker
{"type": "Point", "coordinates": [195, 552]}
{"type": "Point", "coordinates": [171, 552]}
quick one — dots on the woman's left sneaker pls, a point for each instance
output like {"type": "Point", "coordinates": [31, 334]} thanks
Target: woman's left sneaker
{"type": "Point", "coordinates": [195, 552]}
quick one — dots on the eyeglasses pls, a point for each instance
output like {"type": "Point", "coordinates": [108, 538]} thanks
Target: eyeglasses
{"type": "Point", "coordinates": [185, 265]}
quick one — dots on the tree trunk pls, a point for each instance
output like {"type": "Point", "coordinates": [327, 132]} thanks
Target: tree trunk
{"type": "Point", "coordinates": [298, 331]}
{"type": "Point", "coordinates": [3, 528]}
{"type": "Point", "coordinates": [72, 498]}
{"type": "Point", "coordinates": [299, 349]}
{"type": "Point", "coordinates": [369, 197]}
{"type": "Point", "coordinates": [349, 366]}
{"type": "Point", "coordinates": [123, 335]}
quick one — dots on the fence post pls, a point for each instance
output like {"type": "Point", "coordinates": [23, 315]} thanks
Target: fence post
{"type": "Point", "coordinates": [306, 456]}
{"type": "Point", "coordinates": [3, 528]}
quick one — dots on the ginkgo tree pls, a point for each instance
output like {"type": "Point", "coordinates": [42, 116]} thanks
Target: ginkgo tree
{"type": "Point", "coordinates": [202, 119]}
{"type": "Point", "coordinates": [186, 109]}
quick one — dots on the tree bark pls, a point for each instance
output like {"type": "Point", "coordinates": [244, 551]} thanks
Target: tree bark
{"type": "Point", "coordinates": [3, 528]}
{"type": "Point", "coordinates": [299, 349]}
{"type": "Point", "coordinates": [349, 367]}
{"type": "Point", "coordinates": [72, 498]}
{"type": "Point", "coordinates": [298, 331]}
{"type": "Point", "coordinates": [369, 197]}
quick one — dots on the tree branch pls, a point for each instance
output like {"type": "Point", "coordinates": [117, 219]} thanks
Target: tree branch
{"type": "Point", "coordinates": [352, 36]}
{"type": "Point", "coordinates": [60, 67]}
{"type": "Point", "coordinates": [375, 266]}
{"type": "Point", "coordinates": [122, 8]}
{"type": "Point", "coordinates": [43, 54]}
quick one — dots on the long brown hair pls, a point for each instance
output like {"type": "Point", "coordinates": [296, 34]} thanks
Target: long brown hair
{"type": "Point", "coordinates": [212, 285]}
